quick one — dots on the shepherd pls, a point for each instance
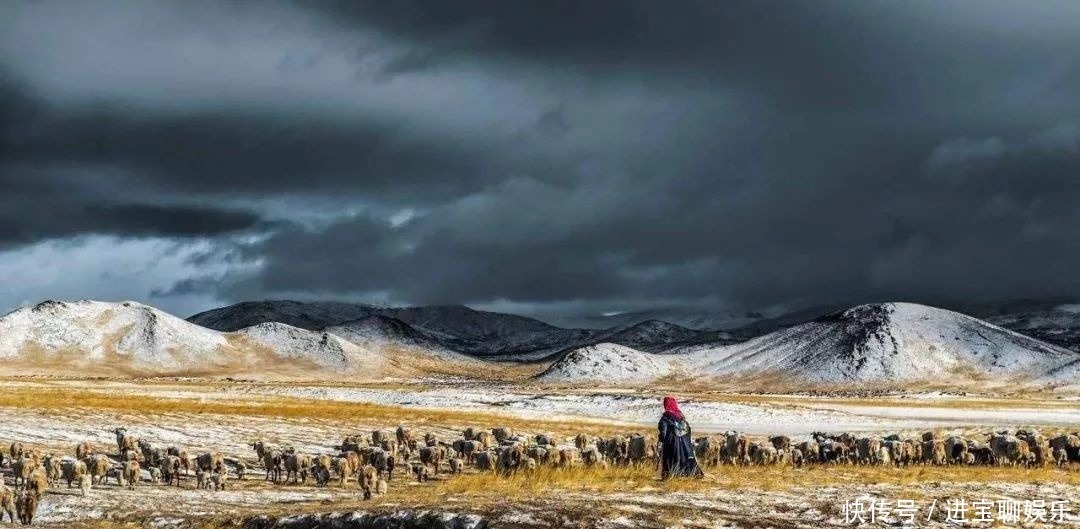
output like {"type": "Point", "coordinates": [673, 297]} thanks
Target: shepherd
{"type": "Point", "coordinates": [676, 449]}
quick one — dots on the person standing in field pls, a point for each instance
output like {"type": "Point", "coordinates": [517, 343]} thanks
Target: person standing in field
{"type": "Point", "coordinates": [676, 449]}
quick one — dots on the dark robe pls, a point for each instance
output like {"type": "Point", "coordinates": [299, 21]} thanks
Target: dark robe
{"type": "Point", "coordinates": [677, 450]}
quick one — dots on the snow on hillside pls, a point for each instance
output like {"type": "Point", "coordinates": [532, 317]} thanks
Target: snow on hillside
{"type": "Point", "coordinates": [108, 332]}
{"type": "Point", "coordinates": [321, 348]}
{"type": "Point", "coordinates": [465, 323]}
{"type": "Point", "coordinates": [379, 333]}
{"type": "Point", "coordinates": [306, 315]}
{"type": "Point", "coordinates": [1059, 325]}
{"type": "Point", "coordinates": [606, 362]}
{"type": "Point", "coordinates": [884, 342]}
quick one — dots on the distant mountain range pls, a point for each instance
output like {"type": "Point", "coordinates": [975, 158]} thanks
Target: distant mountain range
{"type": "Point", "coordinates": [877, 342]}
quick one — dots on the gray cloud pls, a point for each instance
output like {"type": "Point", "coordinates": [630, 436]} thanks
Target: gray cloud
{"type": "Point", "coordinates": [607, 155]}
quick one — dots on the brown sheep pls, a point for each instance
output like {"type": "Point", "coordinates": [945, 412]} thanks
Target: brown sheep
{"type": "Point", "coordinates": [511, 458]}
{"type": "Point", "coordinates": [707, 451]}
{"type": "Point", "coordinates": [485, 439]}
{"type": "Point", "coordinates": [763, 454]}
{"type": "Point", "coordinates": [403, 435]}
{"type": "Point", "coordinates": [7, 503]}
{"type": "Point", "coordinates": [83, 449]}
{"type": "Point", "coordinates": [366, 479]}
{"type": "Point", "coordinates": [810, 451]}
{"type": "Point", "coordinates": [132, 473]}
{"type": "Point", "coordinates": [581, 441]}
{"type": "Point", "coordinates": [380, 487]}
{"type": "Point", "coordinates": [617, 450]}
{"type": "Point", "coordinates": [296, 467]}
{"type": "Point", "coordinates": [84, 484]}
{"type": "Point", "coordinates": [343, 467]}
{"type": "Point", "coordinates": [431, 439]}
{"type": "Point", "coordinates": [124, 440]}
{"type": "Point", "coordinates": [566, 458]}
{"type": "Point", "coordinates": [469, 433]}
{"type": "Point", "coordinates": [38, 482]}
{"type": "Point", "coordinates": [97, 465]}
{"type": "Point", "coordinates": [16, 451]}
{"type": "Point", "coordinates": [26, 505]}
{"type": "Point", "coordinates": [241, 469]}
{"type": "Point", "coordinates": [202, 479]}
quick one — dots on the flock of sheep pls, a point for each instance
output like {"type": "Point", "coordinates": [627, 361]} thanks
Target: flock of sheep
{"type": "Point", "coordinates": [371, 459]}
{"type": "Point", "coordinates": [1020, 448]}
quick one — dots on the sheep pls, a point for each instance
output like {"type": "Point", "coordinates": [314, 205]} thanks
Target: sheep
{"type": "Point", "coordinates": [218, 480]}
{"type": "Point", "coordinates": [83, 449]}
{"type": "Point", "coordinates": [763, 454]}
{"type": "Point", "coordinates": [591, 456]}
{"type": "Point", "coordinates": [202, 481]}
{"type": "Point", "coordinates": [639, 449]}
{"type": "Point", "coordinates": [797, 459]}
{"type": "Point", "coordinates": [380, 487]}
{"type": "Point", "coordinates": [456, 465]}
{"type": "Point", "coordinates": [155, 474]}
{"type": "Point", "coordinates": [52, 470]}
{"type": "Point", "coordinates": [132, 473]}
{"type": "Point", "coordinates": [72, 470]}
{"type": "Point", "coordinates": [97, 465]}
{"type": "Point", "coordinates": [353, 443]}
{"type": "Point", "coordinates": [382, 461]}
{"type": "Point", "coordinates": [366, 479]}
{"type": "Point", "coordinates": [810, 451]}
{"type": "Point", "coordinates": [502, 433]}
{"type": "Point", "coordinates": [16, 451]}
{"type": "Point", "coordinates": [241, 469]}
{"type": "Point", "coordinates": [866, 450]}
{"type": "Point", "coordinates": [420, 472]}
{"type": "Point", "coordinates": [617, 450]}
{"type": "Point", "coordinates": [379, 436]}
{"type": "Point", "coordinates": [404, 435]}
{"type": "Point", "coordinates": [469, 433]}
{"type": "Point", "coordinates": [170, 470]}
{"type": "Point", "coordinates": [210, 462]}
{"type": "Point", "coordinates": [84, 484]}
{"type": "Point", "coordinates": [7, 503]}
{"type": "Point", "coordinates": [432, 456]}
{"type": "Point", "coordinates": [26, 505]}
{"type": "Point", "coordinates": [296, 467]}
{"type": "Point", "coordinates": [21, 469]}
{"type": "Point", "coordinates": [1061, 457]}
{"type": "Point", "coordinates": [485, 461]}
{"type": "Point", "coordinates": [581, 441]}
{"type": "Point", "coordinates": [1069, 443]}
{"type": "Point", "coordinates": [124, 440]}
{"type": "Point", "coordinates": [933, 452]}
{"type": "Point", "coordinates": [736, 447]}
{"type": "Point", "coordinates": [530, 465]}
{"type": "Point", "coordinates": [511, 458]}
{"type": "Point", "coordinates": [566, 458]}
{"type": "Point", "coordinates": [781, 442]}
{"type": "Point", "coordinates": [343, 467]}
{"type": "Point", "coordinates": [485, 439]}
{"type": "Point", "coordinates": [1009, 449]}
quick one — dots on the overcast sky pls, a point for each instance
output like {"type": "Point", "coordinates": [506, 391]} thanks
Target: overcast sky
{"type": "Point", "coordinates": [541, 157]}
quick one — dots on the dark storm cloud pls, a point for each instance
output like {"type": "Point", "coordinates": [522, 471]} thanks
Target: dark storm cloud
{"type": "Point", "coordinates": [603, 154]}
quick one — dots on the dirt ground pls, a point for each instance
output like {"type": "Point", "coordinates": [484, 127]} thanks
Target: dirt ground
{"type": "Point", "coordinates": [52, 415]}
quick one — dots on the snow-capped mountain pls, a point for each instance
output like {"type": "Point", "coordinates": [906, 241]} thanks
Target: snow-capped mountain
{"type": "Point", "coordinates": [885, 342]}
{"type": "Point", "coordinates": [381, 333]}
{"type": "Point", "coordinates": [122, 334]}
{"type": "Point", "coordinates": [103, 338]}
{"type": "Point", "coordinates": [606, 362]}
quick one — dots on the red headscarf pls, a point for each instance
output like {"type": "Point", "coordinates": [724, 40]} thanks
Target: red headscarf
{"type": "Point", "coordinates": [672, 407]}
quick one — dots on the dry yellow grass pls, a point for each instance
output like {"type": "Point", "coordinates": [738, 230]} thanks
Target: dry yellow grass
{"type": "Point", "coordinates": [273, 406]}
